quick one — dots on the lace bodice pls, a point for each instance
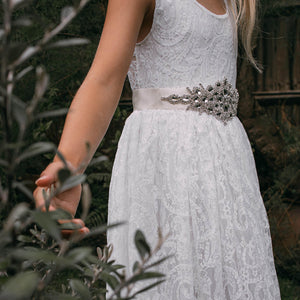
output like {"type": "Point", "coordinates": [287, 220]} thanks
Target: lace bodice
{"type": "Point", "coordinates": [187, 45]}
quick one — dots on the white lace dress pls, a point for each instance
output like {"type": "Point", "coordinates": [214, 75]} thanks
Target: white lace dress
{"type": "Point", "coordinates": [188, 172]}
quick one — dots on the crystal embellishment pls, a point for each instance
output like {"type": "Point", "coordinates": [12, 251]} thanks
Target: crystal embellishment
{"type": "Point", "coordinates": [220, 100]}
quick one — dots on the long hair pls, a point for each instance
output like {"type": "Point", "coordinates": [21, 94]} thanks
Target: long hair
{"type": "Point", "coordinates": [245, 15]}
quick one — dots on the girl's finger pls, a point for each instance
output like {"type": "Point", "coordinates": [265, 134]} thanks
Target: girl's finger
{"type": "Point", "coordinates": [49, 175]}
{"type": "Point", "coordinates": [44, 180]}
{"type": "Point", "coordinates": [66, 233]}
{"type": "Point", "coordinates": [39, 198]}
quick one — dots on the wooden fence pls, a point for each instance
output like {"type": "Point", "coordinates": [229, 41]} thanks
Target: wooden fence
{"type": "Point", "coordinates": [278, 88]}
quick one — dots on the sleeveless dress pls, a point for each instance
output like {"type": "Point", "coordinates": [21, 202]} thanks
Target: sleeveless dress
{"type": "Point", "coordinates": [188, 171]}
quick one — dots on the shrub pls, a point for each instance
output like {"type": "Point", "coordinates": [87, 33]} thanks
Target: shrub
{"type": "Point", "coordinates": [36, 262]}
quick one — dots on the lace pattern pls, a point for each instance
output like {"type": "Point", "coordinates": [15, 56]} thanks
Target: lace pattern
{"type": "Point", "coordinates": [196, 179]}
{"type": "Point", "coordinates": [189, 174]}
{"type": "Point", "coordinates": [186, 45]}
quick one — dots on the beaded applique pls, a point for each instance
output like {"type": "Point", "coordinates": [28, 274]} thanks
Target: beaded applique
{"type": "Point", "coordinates": [220, 100]}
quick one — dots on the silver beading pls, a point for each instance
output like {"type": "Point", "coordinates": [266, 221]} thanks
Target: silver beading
{"type": "Point", "coordinates": [220, 100]}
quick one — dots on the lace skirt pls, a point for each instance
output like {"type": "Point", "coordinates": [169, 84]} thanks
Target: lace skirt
{"type": "Point", "coordinates": [195, 177]}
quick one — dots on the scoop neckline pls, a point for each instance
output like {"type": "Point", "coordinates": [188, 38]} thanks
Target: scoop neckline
{"type": "Point", "coordinates": [210, 12]}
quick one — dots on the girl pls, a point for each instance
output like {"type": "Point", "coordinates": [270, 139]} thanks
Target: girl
{"type": "Point", "coordinates": [184, 161]}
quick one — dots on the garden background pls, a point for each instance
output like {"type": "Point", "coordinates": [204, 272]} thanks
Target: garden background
{"type": "Point", "coordinates": [269, 110]}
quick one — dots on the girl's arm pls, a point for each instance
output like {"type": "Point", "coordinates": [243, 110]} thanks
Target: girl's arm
{"type": "Point", "coordinates": [96, 100]}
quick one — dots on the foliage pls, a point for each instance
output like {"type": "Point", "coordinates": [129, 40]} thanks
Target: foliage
{"type": "Point", "coordinates": [279, 170]}
{"type": "Point", "coordinates": [66, 67]}
{"type": "Point", "coordinates": [32, 256]}
{"type": "Point", "coordinates": [279, 7]}
{"type": "Point", "coordinates": [18, 114]}
{"type": "Point", "coordinates": [32, 250]}
{"type": "Point", "coordinates": [281, 198]}
{"type": "Point", "coordinates": [288, 289]}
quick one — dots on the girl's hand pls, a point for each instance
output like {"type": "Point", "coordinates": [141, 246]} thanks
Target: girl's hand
{"type": "Point", "coordinates": [67, 200]}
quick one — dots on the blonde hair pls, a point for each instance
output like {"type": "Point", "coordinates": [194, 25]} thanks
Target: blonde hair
{"type": "Point", "coordinates": [245, 15]}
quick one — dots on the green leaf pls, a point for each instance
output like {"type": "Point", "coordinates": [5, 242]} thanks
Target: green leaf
{"type": "Point", "coordinates": [141, 243]}
{"type": "Point", "coordinates": [46, 199]}
{"type": "Point", "coordinates": [41, 84]}
{"type": "Point", "coordinates": [62, 158]}
{"type": "Point", "coordinates": [159, 261]}
{"type": "Point", "coordinates": [18, 211]}
{"type": "Point", "coordinates": [63, 175]}
{"type": "Point", "coordinates": [99, 252]}
{"type": "Point", "coordinates": [135, 266]}
{"type": "Point", "coordinates": [69, 226]}
{"type": "Point", "coordinates": [19, 111]}
{"type": "Point", "coordinates": [68, 43]}
{"type": "Point", "coordinates": [44, 220]}
{"type": "Point", "coordinates": [72, 182]}
{"type": "Point", "coordinates": [36, 149]}
{"type": "Point", "coordinates": [22, 73]}
{"type": "Point", "coordinates": [117, 267]}
{"type": "Point", "coordinates": [22, 22]}
{"type": "Point", "coordinates": [88, 273]}
{"type": "Point", "coordinates": [79, 254]}
{"type": "Point", "coordinates": [80, 288]}
{"type": "Point", "coordinates": [26, 54]}
{"type": "Point", "coordinates": [110, 267]}
{"type": "Point", "coordinates": [100, 229]}
{"type": "Point", "coordinates": [146, 275]}
{"type": "Point", "coordinates": [24, 239]}
{"type": "Point", "coordinates": [86, 200]}
{"type": "Point", "coordinates": [52, 113]}
{"type": "Point", "coordinates": [60, 214]}
{"type": "Point", "coordinates": [33, 255]}
{"type": "Point", "coordinates": [15, 3]}
{"type": "Point", "coordinates": [98, 160]}
{"type": "Point", "coordinates": [20, 286]}
{"type": "Point", "coordinates": [149, 287]}
{"type": "Point", "coordinates": [66, 12]}
{"type": "Point", "coordinates": [110, 279]}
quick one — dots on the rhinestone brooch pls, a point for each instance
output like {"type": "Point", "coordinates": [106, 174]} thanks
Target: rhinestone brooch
{"type": "Point", "coordinates": [220, 100]}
